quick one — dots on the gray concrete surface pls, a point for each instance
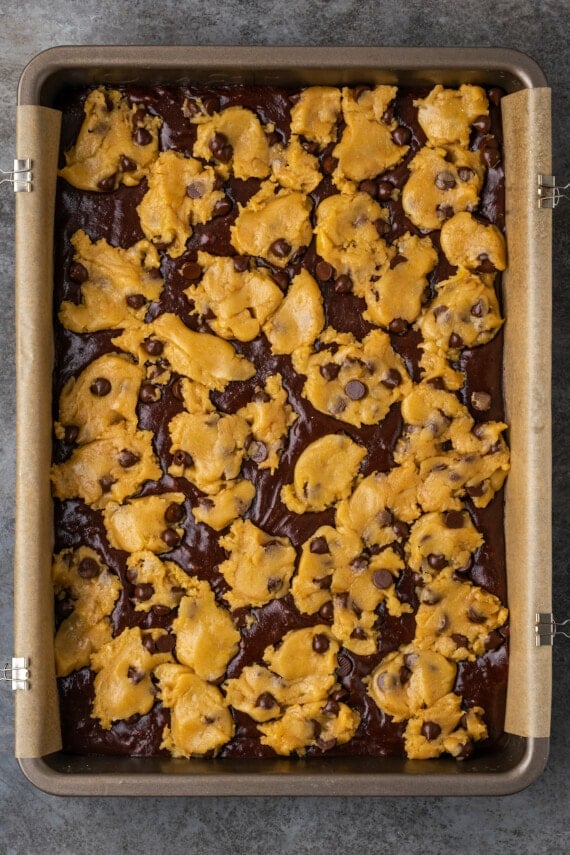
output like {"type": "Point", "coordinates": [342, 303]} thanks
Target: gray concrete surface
{"type": "Point", "coordinates": [534, 821]}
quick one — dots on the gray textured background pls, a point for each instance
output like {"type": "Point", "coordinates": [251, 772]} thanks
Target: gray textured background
{"type": "Point", "coordinates": [534, 821]}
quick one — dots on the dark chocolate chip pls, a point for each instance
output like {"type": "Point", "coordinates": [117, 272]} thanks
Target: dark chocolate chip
{"type": "Point", "coordinates": [460, 640]}
{"type": "Point", "coordinates": [100, 387]}
{"type": "Point", "coordinates": [445, 180]}
{"type": "Point", "coordinates": [136, 301]}
{"type": "Point", "coordinates": [381, 226]}
{"type": "Point", "coordinates": [401, 529]}
{"type": "Point", "coordinates": [326, 611]}
{"type": "Point", "coordinates": [174, 513]}
{"type": "Point", "coordinates": [320, 643]}
{"type": "Point", "coordinates": [323, 582]}
{"type": "Point", "coordinates": [369, 186]}
{"type": "Point", "coordinates": [404, 674]}
{"type": "Point", "coordinates": [359, 634]}
{"type": "Point", "coordinates": [88, 568]}
{"type": "Point", "coordinates": [482, 123]}
{"type": "Point", "coordinates": [153, 346]}
{"type": "Point", "coordinates": [70, 433]}
{"type": "Point", "coordinates": [241, 263]}
{"type": "Point", "coordinates": [493, 640]}
{"type": "Point", "coordinates": [465, 750]}
{"type": "Point", "coordinates": [429, 597]}
{"type": "Point", "coordinates": [385, 190]}
{"type": "Point", "coordinates": [190, 270]}
{"type": "Point", "coordinates": [222, 207]}
{"type": "Point", "coordinates": [475, 616]}
{"type": "Point", "coordinates": [182, 458]}
{"type": "Point", "coordinates": [490, 152]}
{"type": "Point", "coordinates": [135, 675]}
{"type": "Point", "coordinates": [149, 394]}
{"type": "Point", "coordinates": [221, 148]}
{"type": "Point", "coordinates": [211, 105]}
{"type": "Point", "coordinates": [274, 583]}
{"type": "Point", "coordinates": [195, 190]}
{"type": "Point", "coordinates": [344, 666]}
{"type": "Point", "coordinates": [436, 561]}
{"type": "Point", "coordinates": [391, 378]}
{"type": "Point", "coordinates": [319, 546]}
{"type": "Point", "coordinates": [165, 643]}
{"type": "Point", "coordinates": [397, 259]}
{"type": "Point", "coordinates": [128, 458]}
{"type": "Point", "coordinates": [431, 730]}
{"type": "Point", "coordinates": [383, 518]}
{"type": "Point", "coordinates": [382, 579]}
{"type": "Point", "coordinates": [331, 708]}
{"type": "Point", "coordinates": [361, 562]}
{"type": "Point", "coordinates": [280, 248]}
{"type": "Point", "coordinates": [127, 164]}
{"type": "Point", "coordinates": [265, 701]}
{"type": "Point", "coordinates": [495, 94]}
{"type": "Point", "coordinates": [465, 173]}
{"type": "Point", "coordinates": [329, 370]}
{"type": "Point", "coordinates": [453, 519]}
{"type": "Point", "coordinates": [143, 592]}
{"type": "Point", "coordinates": [455, 340]}
{"type": "Point", "coordinates": [475, 490]}
{"type": "Point", "coordinates": [160, 610]}
{"type": "Point", "coordinates": [444, 212]}
{"type": "Point", "coordinates": [324, 271]}
{"type": "Point", "coordinates": [398, 326]}
{"type": "Point", "coordinates": [310, 146]}
{"type": "Point", "coordinates": [107, 184]}
{"type": "Point", "coordinates": [478, 309]}
{"type": "Point", "coordinates": [281, 279]}
{"type": "Point", "coordinates": [401, 135]}
{"type": "Point", "coordinates": [356, 390]}
{"type": "Point", "coordinates": [329, 164]}
{"type": "Point", "coordinates": [176, 389]}
{"type": "Point", "coordinates": [170, 537]}
{"type": "Point", "coordinates": [485, 264]}
{"type": "Point", "coordinates": [78, 272]}
{"type": "Point", "coordinates": [343, 284]}
{"type": "Point", "coordinates": [142, 136]}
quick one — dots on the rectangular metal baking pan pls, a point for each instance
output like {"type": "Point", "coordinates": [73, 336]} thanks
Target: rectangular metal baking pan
{"type": "Point", "coordinates": [520, 760]}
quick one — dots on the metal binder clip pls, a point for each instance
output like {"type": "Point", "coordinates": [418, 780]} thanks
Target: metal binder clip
{"type": "Point", "coordinates": [18, 673]}
{"type": "Point", "coordinates": [549, 193]}
{"type": "Point", "coordinates": [20, 177]}
{"type": "Point", "coordinates": [547, 629]}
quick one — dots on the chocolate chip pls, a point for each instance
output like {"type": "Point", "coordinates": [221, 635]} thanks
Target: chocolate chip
{"type": "Point", "coordinates": [481, 401]}
{"type": "Point", "coordinates": [64, 608]}
{"type": "Point", "coordinates": [343, 284]}
{"type": "Point", "coordinates": [148, 643]}
{"type": "Point", "coordinates": [100, 387]}
{"type": "Point", "coordinates": [142, 136]}
{"type": "Point", "coordinates": [436, 561]}
{"type": "Point", "coordinates": [211, 105]}
{"type": "Point", "coordinates": [493, 640]}
{"type": "Point", "coordinates": [401, 135]}
{"type": "Point", "coordinates": [398, 326]}
{"type": "Point", "coordinates": [136, 301]}
{"type": "Point", "coordinates": [445, 181]}
{"type": "Point", "coordinates": [324, 583]}
{"type": "Point", "coordinates": [149, 394]}
{"type": "Point", "coordinates": [143, 592]}
{"type": "Point", "coordinates": [329, 370]}
{"type": "Point", "coordinates": [257, 451]}
{"type": "Point", "coordinates": [265, 701]}
{"type": "Point", "coordinates": [485, 264]}
{"type": "Point", "coordinates": [490, 152]}
{"type": "Point", "coordinates": [495, 94]}
{"type": "Point", "coordinates": [310, 146]}
{"type": "Point", "coordinates": [78, 272]}
{"type": "Point", "coordinates": [359, 634]}
{"type": "Point", "coordinates": [382, 579]}
{"type": "Point", "coordinates": [453, 519]}
{"type": "Point", "coordinates": [190, 270]}
{"type": "Point", "coordinates": [482, 124]}
{"type": "Point", "coordinates": [442, 624]}
{"type": "Point", "coordinates": [475, 616]}
{"type": "Point", "coordinates": [397, 259]}
{"type": "Point", "coordinates": [460, 640]}
{"type": "Point", "coordinates": [465, 173]}
{"type": "Point", "coordinates": [174, 513]}
{"type": "Point", "coordinates": [319, 546]}
{"type": "Point", "coordinates": [221, 148]}
{"type": "Point", "coordinates": [153, 346]}
{"type": "Point", "coordinates": [369, 186]}
{"type": "Point", "coordinates": [281, 279]}
{"type": "Point", "coordinates": [455, 340]}
{"type": "Point", "coordinates": [326, 611]}
{"type": "Point", "coordinates": [241, 263]}
{"type": "Point", "coordinates": [429, 597]}
{"type": "Point", "coordinates": [320, 643]}
{"type": "Point", "coordinates": [383, 518]}
{"type": "Point", "coordinates": [475, 490]}
{"type": "Point", "coordinates": [356, 390]}
{"type": "Point", "coordinates": [222, 207]}
{"type": "Point", "coordinates": [170, 537]}
{"type": "Point", "coordinates": [465, 750]}
{"type": "Point", "coordinates": [274, 583]}
{"type": "Point", "coordinates": [401, 529]}
{"type": "Point", "coordinates": [182, 458]}
{"type": "Point", "coordinates": [128, 458]}
{"type": "Point", "coordinates": [344, 666]}
{"type": "Point", "coordinates": [88, 568]}
{"type": "Point", "coordinates": [478, 309]}
{"type": "Point", "coordinates": [176, 389]}
{"type": "Point", "coordinates": [127, 164]}
{"type": "Point", "coordinates": [107, 184]}
{"type": "Point", "coordinates": [135, 675]}
{"type": "Point", "coordinates": [70, 433]}
{"type": "Point", "coordinates": [329, 164]}
{"type": "Point", "coordinates": [160, 610]}
{"type": "Point", "coordinates": [444, 212]}
{"type": "Point", "coordinates": [164, 643]}
{"type": "Point", "coordinates": [385, 190]}
{"type": "Point", "coordinates": [391, 378]}
{"type": "Point", "coordinates": [195, 190]}
{"type": "Point", "coordinates": [431, 730]}
{"type": "Point", "coordinates": [361, 562]}
{"type": "Point", "coordinates": [324, 271]}
{"type": "Point", "coordinates": [331, 708]}
{"type": "Point", "coordinates": [280, 248]}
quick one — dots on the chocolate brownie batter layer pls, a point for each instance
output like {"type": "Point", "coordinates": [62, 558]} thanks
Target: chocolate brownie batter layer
{"type": "Point", "coordinates": [278, 450]}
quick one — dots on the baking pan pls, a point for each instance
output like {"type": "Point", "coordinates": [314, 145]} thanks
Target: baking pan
{"type": "Point", "coordinates": [527, 292]}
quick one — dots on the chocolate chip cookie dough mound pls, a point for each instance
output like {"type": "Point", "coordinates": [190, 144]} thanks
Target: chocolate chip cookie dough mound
{"type": "Point", "coordinates": [279, 444]}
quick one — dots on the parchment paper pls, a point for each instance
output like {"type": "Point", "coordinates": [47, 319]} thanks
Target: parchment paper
{"type": "Point", "coordinates": [526, 120]}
